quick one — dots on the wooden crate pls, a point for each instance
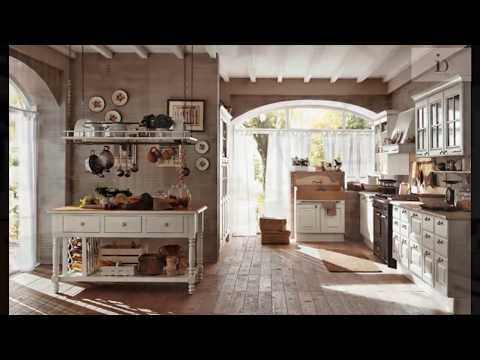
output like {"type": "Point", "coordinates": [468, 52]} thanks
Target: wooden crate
{"type": "Point", "coordinates": [120, 255]}
{"type": "Point", "coordinates": [275, 237]}
{"type": "Point", "coordinates": [271, 224]}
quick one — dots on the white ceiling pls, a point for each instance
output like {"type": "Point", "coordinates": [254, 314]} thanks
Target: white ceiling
{"type": "Point", "coordinates": [280, 62]}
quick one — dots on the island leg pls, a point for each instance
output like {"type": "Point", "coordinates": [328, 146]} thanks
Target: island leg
{"type": "Point", "coordinates": [200, 255]}
{"type": "Point", "coordinates": [191, 264]}
{"type": "Point", "coordinates": [55, 264]}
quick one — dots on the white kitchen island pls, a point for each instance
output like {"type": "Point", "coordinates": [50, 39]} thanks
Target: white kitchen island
{"type": "Point", "coordinates": [92, 225]}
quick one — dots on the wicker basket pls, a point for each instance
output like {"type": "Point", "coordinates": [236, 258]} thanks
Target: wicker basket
{"type": "Point", "coordinates": [271, 224]}
{"type": "Point", "coordinates": [275, 237]}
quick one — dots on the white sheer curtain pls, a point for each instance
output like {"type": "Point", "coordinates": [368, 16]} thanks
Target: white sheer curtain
{"type": "Point", "coordinates": [282, 147]}
{"type": "Point", "coordinates": [356, 151]}
{"type": "Point", "coordinates": [25, 258]}
{"type": "Point", "coordinates": [244, 189]}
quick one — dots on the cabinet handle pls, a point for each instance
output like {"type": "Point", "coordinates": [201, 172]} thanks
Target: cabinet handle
{"type": "Point", "coordinates": [439, 260]}
{"type": "Point", "coordinates": [427, 218]}
{"type": "Point", "coordinates": [439, 241]}
{"type": "Point", "coordinates": [414, 215]}
{"type": "Point", "coordinates": [82, 224]}
{"type": "Point", "coordinates": [439, 222]}
{"type": "Point", "coordinates": [166, 224]}
{"type": "Point", "coordinates": [427, 253]}
{"type": "Point", "coordinates": [404, 211]}
{"type": "Point", "coordinates": [404, 226]}
{"type": "Point", "coordinates": [124, 224]}
{"type": "Point", "coordinates": [395, 222]}
{"type": "Point", "coordinates": [427, 236]}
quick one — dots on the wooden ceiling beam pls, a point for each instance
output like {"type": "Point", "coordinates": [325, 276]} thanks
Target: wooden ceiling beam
{"type": "Point", "coordinates": [178, 50]}
{"type": "Point", "coordinates": [63, 49]}
{"type": "Point", "coordinates": [140, 50]}
{"type": "Point", "coordinates": [341, 65]}
{"type": "Point", "coordinates": [103, 50]}
{"type": "Point", "coordinates": [377, 63]}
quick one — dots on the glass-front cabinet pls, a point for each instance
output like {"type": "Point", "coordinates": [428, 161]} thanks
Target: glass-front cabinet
{"type": "Point", "coordinates": [435, 121]}
{"type": "Point", "coordinates": [442, 122]}
{"type": "Point", "coordinates": [421, 132]}
{"type": "Point", "coordinates": [453, 121]}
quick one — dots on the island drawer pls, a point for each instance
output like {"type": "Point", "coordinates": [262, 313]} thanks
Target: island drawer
{"type": "Point", "coordinates": [123, 224]}
{"type": "Point", "coordinates": [164, 224]}
{"type": "Point", "coordinates": [427, 240]}
{"type": "Point", "coordinates": [81, 223]}
{"type": "Point", "coordinates": [441, 246]}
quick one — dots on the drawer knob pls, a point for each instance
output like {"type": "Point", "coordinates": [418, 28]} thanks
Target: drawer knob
{"type": "Point", "coordinates": [439, 241]}
{"type": "Point", "coordinates": [82, 224]}
{"type": "Point", "coordinates": [439, 222]}
{"type": "Point", "coordinates": [414, 215]}
{"type": "Point", "coordinates": [124, 224]}
{"type": "Point", "coordinates": [166, 224]}
{"type": "Point", "coordinates": [427, 218]}
{"type": "Point", "coordinates": [427, 236]}
{"type": "Point", "coordinates": [427, 253]}
{"type": "Point", "coordinates": [439, 260]}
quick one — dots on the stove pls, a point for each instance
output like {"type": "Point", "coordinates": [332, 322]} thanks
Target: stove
{"type": "Point", "coordinates": [382, 225]}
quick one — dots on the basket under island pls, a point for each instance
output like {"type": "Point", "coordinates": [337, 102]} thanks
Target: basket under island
{"type": "Point", "coordinates": [82, 229]}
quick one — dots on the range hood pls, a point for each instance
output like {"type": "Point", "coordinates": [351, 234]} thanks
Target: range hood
{"type": "Point", "coordinates": [402, 134]}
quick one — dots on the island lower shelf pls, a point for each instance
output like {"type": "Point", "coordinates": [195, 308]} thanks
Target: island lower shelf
{"type": "Point", "coordinates": [126, 279]}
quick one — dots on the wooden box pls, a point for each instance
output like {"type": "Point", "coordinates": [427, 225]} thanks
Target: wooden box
{"type": "Point", "coordinates": [275, 237]}
{"type": "Point", "coordinates": [271, 224]}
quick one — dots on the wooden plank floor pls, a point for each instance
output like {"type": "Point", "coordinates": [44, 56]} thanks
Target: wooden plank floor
{"type": "Point", "coordinates": [248, 279]}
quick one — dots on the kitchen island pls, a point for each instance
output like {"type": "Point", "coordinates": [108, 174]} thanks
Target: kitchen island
{"type": "Point", "coordinates": [91, 225]}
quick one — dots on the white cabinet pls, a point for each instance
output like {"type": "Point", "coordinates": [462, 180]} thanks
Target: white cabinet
{"type": "Point", "coordinates": [332, 223]}
{"type": "Point", "coordinates": [415, 258]}
{"type": "Point", "coordinates": [415, 227]}
{"type": "Point", "coordinates": [403, 251]}
{"type": "Point", "coordinates": [313, 219]}
{"type": "Point", "coordinates": [442, 120]}
{"type": "Point", "coordinates": [441, 274]}
{"type": "Point", "coordinates": [308, 219]}
{"type": "Point", "coordinates": [427, 266]}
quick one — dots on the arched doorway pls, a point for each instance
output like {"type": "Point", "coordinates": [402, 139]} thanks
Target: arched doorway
{"type": "Point", "coordinates": [23, 130]}
{"type": "Point", "coordinates": [266, 139]}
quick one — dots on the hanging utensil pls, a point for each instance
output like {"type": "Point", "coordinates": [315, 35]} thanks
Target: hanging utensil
{"type": "Point", "coordinates": [134, 167]}
{"type": "Point", "coordinates": [95, 164]}
{"type": "Point", "coordinates": [120, 171]}
{"type": "Point", "coordinates": [106, 157]}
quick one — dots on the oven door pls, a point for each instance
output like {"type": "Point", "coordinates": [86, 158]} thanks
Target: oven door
{"type": "Point", "coordinates": [377, 233]}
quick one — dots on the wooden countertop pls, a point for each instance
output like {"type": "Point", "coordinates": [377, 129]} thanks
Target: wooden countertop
{"type": "Point", "coordinates": [193, 209]}
{"type": "Point", "coordinates": [447, 215]}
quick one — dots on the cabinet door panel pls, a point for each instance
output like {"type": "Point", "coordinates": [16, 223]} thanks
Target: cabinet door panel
{"type": "Point", "coordinates": [453, 121]}
{"type": "Point", "coordinates": [333, 223]}
{"type": "Point", "coordinates": [395, 246]}
{"type": "Point", "coordinates": [427, 267]}
{"type": "Point", "coordinates": [307, 218]}
{"type": "Point", "coordinates": [403, 251]}
{"type": "Point", "coordinates": [415, 258]}
{"type": "Point", "coordinates": [421, 128]}
{"type": "Point", "coordinates": [436, 125]}
{"type": "Point", "coordinates": [415, 227]}
{"type": "Point", "coordinates": [441, 274]}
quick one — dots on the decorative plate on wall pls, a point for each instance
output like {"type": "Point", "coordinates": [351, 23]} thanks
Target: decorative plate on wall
{"type": "Point", "coordinates": [202, 164]}
{"type": "Point", "coordinates": [119, 97]}
{"type": "Point", "coordinates": [113, 116]}
{"type": "Point", "coordinates": [96, 104]}
{"type": "Point", "coordinates": [202, 147]}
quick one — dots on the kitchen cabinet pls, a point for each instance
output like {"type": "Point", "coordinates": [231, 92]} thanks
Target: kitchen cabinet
{"type": "Point", "coordinates": [313, 223]}
{"type": "Point", "coordinates": [366, 218]}
{"type": "Point", "coordinates": [434, 251]}
{"type": "Point", "coordinates": [442, 120]}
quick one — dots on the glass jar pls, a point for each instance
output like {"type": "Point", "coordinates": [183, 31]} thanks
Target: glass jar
{"type": "Point", "coordinates": [181, 195]}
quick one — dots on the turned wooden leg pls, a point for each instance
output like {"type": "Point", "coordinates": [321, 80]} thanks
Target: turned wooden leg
{"type": "Point", "coordinates": [55, 264]}
{"type": "Point", "coordinates": [191, 265]}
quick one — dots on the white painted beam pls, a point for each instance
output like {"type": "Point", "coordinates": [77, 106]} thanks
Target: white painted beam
{"type": "Point", "coordinates": [141, 51]}
{"type": "Point", "coordinates": [224, 76]}
{"type": "Point", "coordinates": [283, 63]}
{"type": "Point", "coordinates": [252, 71]}
{"type": "Point", "coordinates": [341, 64]}
{"type": "Point", "coordinates": [178, 50]}
{"type": "Point", "coordinates": [314, 56]}
{"type": "Point", "coordinates": [211, 50]}
{"type": "Point", "coordinates": [377, 63]}
{"type": "Point", "coordinates": [63, 49]}
{"type": "Point", "coordinates": [102, 49]}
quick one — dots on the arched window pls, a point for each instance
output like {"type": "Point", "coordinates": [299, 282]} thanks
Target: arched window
{"type": "Point", "coordinates": [22, 179]}
{"type": "Point", "coordinates": [313, 130]}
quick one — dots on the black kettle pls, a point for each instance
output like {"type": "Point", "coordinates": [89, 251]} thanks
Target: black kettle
{"type": "Point", "coordinates": [157, 122]}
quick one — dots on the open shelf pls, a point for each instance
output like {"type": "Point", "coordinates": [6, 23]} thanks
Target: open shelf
{"type": "Point", "coordinates": [129, 137]}
{"type": "Point", "coordinates": [95, 277]}
{"type": "Point", "coordinates": [452, 172]}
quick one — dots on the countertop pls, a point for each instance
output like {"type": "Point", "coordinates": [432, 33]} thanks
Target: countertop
{"type": "Point", "coordinates": [193, 209]}
{"type": "Point", "coordinates": [447, 215]}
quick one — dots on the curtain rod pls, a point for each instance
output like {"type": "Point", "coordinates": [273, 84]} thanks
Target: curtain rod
{"type": "Point", "coordinates": [366, 131]}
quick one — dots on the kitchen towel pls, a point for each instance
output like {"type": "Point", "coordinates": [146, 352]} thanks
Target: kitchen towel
{"type": "Point", "coordinates": [330, 207]}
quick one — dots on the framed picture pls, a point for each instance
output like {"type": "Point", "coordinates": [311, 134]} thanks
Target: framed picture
{"type": "Point", "coordinates": [192, 112]}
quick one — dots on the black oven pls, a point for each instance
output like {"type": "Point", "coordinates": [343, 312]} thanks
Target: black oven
{"type": "Point", "coordinates": [382, 230]}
